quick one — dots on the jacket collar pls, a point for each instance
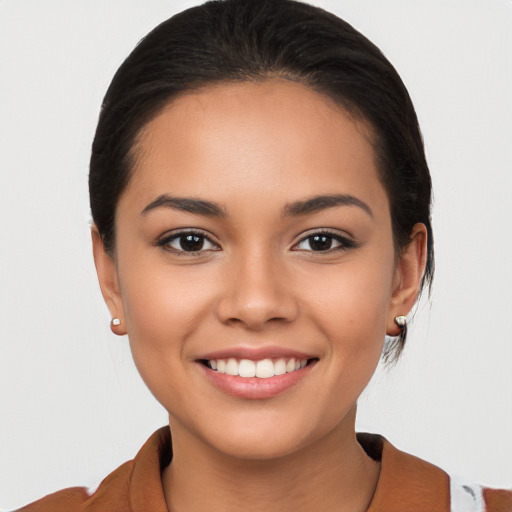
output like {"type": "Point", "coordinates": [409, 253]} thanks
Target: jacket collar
{"type": "Point", "coordinates": [406, 483]}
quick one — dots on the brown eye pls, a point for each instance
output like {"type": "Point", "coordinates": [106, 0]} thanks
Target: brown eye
{"type": "Point", "coordinates": [191, 243]}
{"type": "Point", "coordinates": [320, 242]}
{"type": "Point", "coordinates": [188, 242]}
{"type": "Point", "coordinates": [323, 242]}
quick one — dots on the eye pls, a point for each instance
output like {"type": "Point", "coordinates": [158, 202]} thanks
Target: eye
{"type": "Point", "coordinates": [188, 242]}
{"type": "Point", "coordinates": [324, 242]}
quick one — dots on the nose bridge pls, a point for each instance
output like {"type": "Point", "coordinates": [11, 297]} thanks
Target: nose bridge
{"type": "Point", "coordinates": [257, 290]}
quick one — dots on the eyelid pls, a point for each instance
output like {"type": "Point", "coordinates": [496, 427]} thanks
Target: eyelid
{"type": "Point", "coordinates": [164, 239]}
{"type": "Point", "coordinates": [345, 240]}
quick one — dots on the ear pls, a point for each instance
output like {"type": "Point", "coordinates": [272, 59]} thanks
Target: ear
{"type": "Point", "coordinates": [408, 274]}
{"type": "Point", "coordinates": [109, 282]}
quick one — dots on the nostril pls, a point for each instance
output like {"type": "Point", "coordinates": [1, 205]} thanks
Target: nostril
{"type": "Point", "coordinates": [255, 305]}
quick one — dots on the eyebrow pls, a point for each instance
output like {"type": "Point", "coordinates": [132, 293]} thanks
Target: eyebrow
{"type": "Point", "coordinates": [318, 203]}
{"type": "Point", "coordinates": [211, 209]}
{"type": "Point", "coordinates": [186, 204]}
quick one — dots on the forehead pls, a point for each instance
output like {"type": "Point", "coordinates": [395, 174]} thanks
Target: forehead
{"type": "Point", "coordinates": [269, 136]}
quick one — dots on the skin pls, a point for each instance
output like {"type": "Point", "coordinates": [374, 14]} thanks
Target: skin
{"type": "Point", "coordinates": [253, 149]}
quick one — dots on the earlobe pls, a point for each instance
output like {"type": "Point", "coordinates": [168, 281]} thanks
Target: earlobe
{"type": "Point", "coordinates": [409, 273]}
{"type": "Point", "coordinates": [109, 284]}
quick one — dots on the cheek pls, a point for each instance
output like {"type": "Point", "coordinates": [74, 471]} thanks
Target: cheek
{"type": "Point", "coordinates": [163, 307]}
{"type": "Point", "coordinates": [158, 307]}
{"type": "Point", "coordinates": [354, 320]}
{"type": "Point", "coordinates": [350, 306]}
{"type": "Point", "coordinates": [158, 295]}
{"type": "Point", "coordinates": [352, 303]}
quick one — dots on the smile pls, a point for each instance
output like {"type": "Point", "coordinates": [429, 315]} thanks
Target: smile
{"type": "Point", "coordinates": [256, 374]}
{"type": "Point", "coordinates": [262, 369]}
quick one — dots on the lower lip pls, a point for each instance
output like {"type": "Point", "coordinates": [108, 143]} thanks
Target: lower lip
{"type": "Point", "coordinates": [254, 388]}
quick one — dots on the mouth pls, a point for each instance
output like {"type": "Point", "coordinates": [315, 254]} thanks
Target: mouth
{"type": "Point", "coordinates": [256, 376]}
{"type": "Point", "coordinates": [261, 369]}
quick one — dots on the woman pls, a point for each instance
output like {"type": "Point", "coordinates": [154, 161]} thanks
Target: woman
{"type": "Point", "coordinates": [261, 207]}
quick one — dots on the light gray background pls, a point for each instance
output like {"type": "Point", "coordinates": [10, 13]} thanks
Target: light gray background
{"type": "Point", "coordinates": [72, 407]}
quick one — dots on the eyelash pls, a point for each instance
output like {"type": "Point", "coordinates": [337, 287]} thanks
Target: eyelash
{"type": "Point", "coordinates": [165, 241]}
{"type": "Point", "coordinates": [344, 242]}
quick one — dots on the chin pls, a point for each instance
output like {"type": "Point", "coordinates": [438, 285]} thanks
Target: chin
{"type": "Point", "coordinates": [258, 445]}
{"type": "Point", "coordinates": [266, 434]}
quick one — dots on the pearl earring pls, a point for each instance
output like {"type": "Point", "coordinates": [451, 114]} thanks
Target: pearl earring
{"type": "Point", "coordinates": [401, 321]}
{"type": "Point", "coordinates": [115, 321]}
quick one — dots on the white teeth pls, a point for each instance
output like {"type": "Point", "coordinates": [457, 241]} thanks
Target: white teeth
{"type": "Point", "coordinates": [263, 369]}
{"type": "Point", "coordinates": [280, 367]}
{"type": "Point", "coordinates": [232, 367]}
{"type": "Point", "coordinates": [247, 368]}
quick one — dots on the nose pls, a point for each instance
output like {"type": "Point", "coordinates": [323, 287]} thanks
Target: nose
{"type": "Point", "coordinates": [256, 292]}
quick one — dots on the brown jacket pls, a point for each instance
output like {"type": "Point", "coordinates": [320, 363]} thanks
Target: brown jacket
{"type": "Point", "coordinates": [406, 484]}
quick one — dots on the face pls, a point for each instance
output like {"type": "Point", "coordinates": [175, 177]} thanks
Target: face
{"type": "Point", "coordinates": [255, 271]}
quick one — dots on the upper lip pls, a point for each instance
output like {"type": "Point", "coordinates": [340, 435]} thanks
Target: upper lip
{"type": "Point", "coordinates": [255, 354]}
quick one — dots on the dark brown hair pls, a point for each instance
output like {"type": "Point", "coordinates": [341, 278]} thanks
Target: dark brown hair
{"type": "Point", "coordinates": [254, 40]}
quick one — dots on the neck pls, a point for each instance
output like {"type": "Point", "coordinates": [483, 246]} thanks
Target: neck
{"type": "Point", "coordinates": [332, 474]}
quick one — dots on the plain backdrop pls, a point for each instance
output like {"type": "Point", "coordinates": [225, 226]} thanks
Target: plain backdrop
{"type": "Point", "coordinates": [72, 407]}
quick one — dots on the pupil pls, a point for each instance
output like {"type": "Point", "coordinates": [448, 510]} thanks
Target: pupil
{"type": "Point", "coordinates": [320, 242]}
{"type": "Point", "coordinates": [191, 242]}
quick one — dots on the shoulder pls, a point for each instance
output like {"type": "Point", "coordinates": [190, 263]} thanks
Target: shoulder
{"type": "Point", "coordinates": [111, 495]}
{"type": "Point", "coordinates": [497, 500]}
{"type": "Point", "coordinates": [134, 486]}
{"type": "Point", "coordinates": [408, 483]}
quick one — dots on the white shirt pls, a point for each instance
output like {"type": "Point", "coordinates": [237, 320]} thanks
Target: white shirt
{"type": "Point", "coordinates": [465, 497]}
